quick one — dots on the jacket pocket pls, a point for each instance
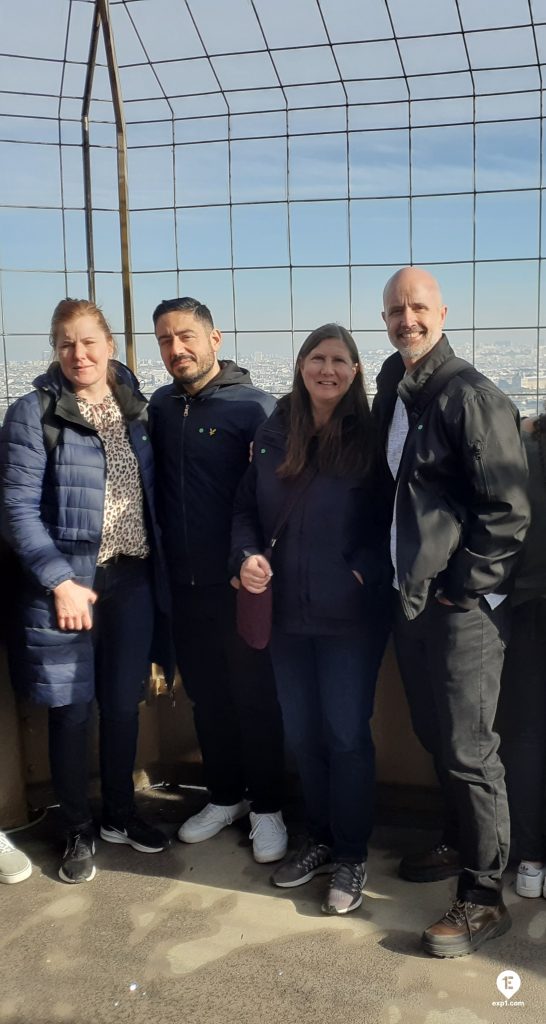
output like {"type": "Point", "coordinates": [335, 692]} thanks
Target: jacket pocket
{"type": "Point", "coordinates": [335, 593]}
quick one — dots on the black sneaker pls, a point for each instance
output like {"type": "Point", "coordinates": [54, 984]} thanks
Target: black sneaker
{"type": "Point", "coordinates": [77, 864]}
{"type": "Point", "coordinates": [345, 889]}
{"type": "Point", "coordinates": [135, 833]}
{"type": "Point", "coordinates": [311, 859]}
{"type": "Point", "coordinates": [433, 865]}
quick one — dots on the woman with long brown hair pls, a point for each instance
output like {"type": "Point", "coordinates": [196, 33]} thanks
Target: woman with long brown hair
{"type": "Point", "coordinates": [317, 455]}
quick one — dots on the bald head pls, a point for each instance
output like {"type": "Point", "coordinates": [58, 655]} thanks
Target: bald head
{"type": "Point", "coordinates": [409, 277]}
{"type": "Point", "coordinates": [414, 313]}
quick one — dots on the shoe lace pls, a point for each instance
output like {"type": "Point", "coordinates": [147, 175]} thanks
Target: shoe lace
{"type": "Point", "coordinates": [5, 845]}
{"type": "Point", "coordinates": [267, 823]}
{"type": "Point", "coordinates": [211, 811]}
{"type": "Point", "coordinates": [78, 845]}
{"type": "Point", "coordinates": [347, 877]}
{"type": "Point", "coordinates": [458, 913]}
{"type": "Point", "coordinates": [309, 855]}
{"type": "Point", "coordinates": [441, 848]}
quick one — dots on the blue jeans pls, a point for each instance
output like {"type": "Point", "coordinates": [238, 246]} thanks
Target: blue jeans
{"type": "Point", "coordinates": [326, 688]}
{"type": "Point", "coordinates": [122, 636]}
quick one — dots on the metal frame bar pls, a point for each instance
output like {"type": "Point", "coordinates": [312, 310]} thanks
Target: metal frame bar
{"type": "Point", "coordinates": [86, 153]}
{"type": "Point", "coordinates": [103, 10]}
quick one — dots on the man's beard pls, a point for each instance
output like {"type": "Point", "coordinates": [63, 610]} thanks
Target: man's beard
{"type": "Point", "coordinates": [412, 349]}
{"type": "Point", "coordinates": [192, 374]}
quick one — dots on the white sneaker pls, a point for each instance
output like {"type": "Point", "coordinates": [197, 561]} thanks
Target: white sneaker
{"type": "Point", "coordinates": [14, 865]}
{"type": "Point", "coordinates": [531, 881]}
{"type": "Point", "coordinates": [211, 820]}
{"type": "Point", "coordinates": [269, 838]}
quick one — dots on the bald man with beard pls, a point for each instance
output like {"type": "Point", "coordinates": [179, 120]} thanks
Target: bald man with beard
{"type": "Point", "coordinates": [459, 518]}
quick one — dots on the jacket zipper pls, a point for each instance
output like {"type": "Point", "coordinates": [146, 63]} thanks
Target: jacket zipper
{"type": "Point", "coordinates": [185, 415]}
{"type": "Point", "coordinates": [477, 449]}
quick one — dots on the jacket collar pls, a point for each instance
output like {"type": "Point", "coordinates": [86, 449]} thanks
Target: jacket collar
{"type": "Point", "coordinates": [130, 400]}
{"type": "Point", "coordinates": [410, 385]}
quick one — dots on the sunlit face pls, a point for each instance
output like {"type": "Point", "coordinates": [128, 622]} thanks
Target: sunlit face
{"type": "Point", "coordinates": [83, 351]}
{"type": "Point", "coordinates": [414, 313]}
{"type": "Point", "coordinates": [328, 372]}
{"type": "Point", "coordinates": [188, 348]}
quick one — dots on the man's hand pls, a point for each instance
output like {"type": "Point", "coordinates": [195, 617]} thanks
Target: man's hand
{"type": "Point", "coordinates": [358, 576]}
{"type": "Point", "coordinates": [443, 600]}
{"type": "Point", "coordinates": [255, 574]}
{"type": "Point", "coordinates": [72, 603]}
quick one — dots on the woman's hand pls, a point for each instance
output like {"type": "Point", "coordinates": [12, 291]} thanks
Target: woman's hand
{"type": "Point", "coordinates": [255, 574]}
{"type": "Point", "coordinates": [72, 603]}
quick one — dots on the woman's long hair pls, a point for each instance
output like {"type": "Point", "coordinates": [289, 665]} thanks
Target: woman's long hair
{"type": "Point", "coordinates": [346, 445]}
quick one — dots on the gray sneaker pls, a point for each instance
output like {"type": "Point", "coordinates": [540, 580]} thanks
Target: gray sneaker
{"type": "Point", "coordinates": [345, 889]}
{"type": "Point", "coordinates": [14, 864]}
{"type": "Point", "coordinates": [311, 859]}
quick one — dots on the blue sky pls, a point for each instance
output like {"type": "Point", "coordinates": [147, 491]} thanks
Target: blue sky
{"type": "Point", "coordinates": [277, 235]}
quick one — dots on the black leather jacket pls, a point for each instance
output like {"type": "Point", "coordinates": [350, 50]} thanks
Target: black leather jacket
{"type": "Point", "coordinates": [461, 496]}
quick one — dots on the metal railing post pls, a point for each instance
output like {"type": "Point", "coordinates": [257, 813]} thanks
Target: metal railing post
{"type": "Point", "coordinates": [123, 190]}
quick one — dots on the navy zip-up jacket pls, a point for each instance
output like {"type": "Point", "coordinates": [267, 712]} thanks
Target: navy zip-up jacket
{"type": "Point", "coordinates": [338, 524]}
{"type": "Point", "coordinates": [202, 449]}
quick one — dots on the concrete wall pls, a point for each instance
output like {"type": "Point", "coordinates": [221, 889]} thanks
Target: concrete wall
{"type": "Point", "coordinates": [167, 738]}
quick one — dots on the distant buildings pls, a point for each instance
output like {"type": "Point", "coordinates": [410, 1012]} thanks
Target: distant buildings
{"type": "Point", "coordinates": [508, 366]}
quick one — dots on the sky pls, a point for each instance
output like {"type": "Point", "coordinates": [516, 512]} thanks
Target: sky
{"type": "Point", "coordinates": [272, 169]}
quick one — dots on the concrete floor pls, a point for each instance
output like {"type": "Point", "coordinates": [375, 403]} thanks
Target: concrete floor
{"type": "Point", "coordinates": [197, 935]}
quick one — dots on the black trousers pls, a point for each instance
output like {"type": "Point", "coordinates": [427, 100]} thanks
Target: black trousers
{"type": "Point", "coordinates": [122, 634]}
{"type": "Point", "coordinates": [231, 686]}
{"type": "Point", "coordinates": [451, 662]}
{"type": "Point", "coordinates": [521, 721]}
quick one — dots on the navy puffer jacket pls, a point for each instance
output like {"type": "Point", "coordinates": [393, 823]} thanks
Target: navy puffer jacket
{"type": "Point", "coordinates": [52, 509]}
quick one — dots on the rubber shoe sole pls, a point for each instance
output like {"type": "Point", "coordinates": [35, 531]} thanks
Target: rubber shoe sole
{"type": "Point", "coordinates": [323, 869]}
{"type": "Point", "coordinates": [17, 876]}
{"type": "Point", "coordinates": [122, 839]}
{"type": "Point", "coordinates": [463, 947]}
{"type": "Point", "coordinates": [269, 858]}
{"type": "Point", "coordinates": [77, 881]}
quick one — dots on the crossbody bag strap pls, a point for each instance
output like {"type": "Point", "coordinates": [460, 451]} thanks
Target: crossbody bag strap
{"type": "Point", "coordinates": [301, 486]}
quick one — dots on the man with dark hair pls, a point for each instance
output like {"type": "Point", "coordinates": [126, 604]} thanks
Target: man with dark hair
{"type": "Point", "coordinates": [202, 427]}
{"type": "Point", "coordinates": [460, 516]}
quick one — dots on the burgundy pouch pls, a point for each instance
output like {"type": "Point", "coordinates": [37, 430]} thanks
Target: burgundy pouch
{"type": "Point", "coordinates": [254, 617]}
